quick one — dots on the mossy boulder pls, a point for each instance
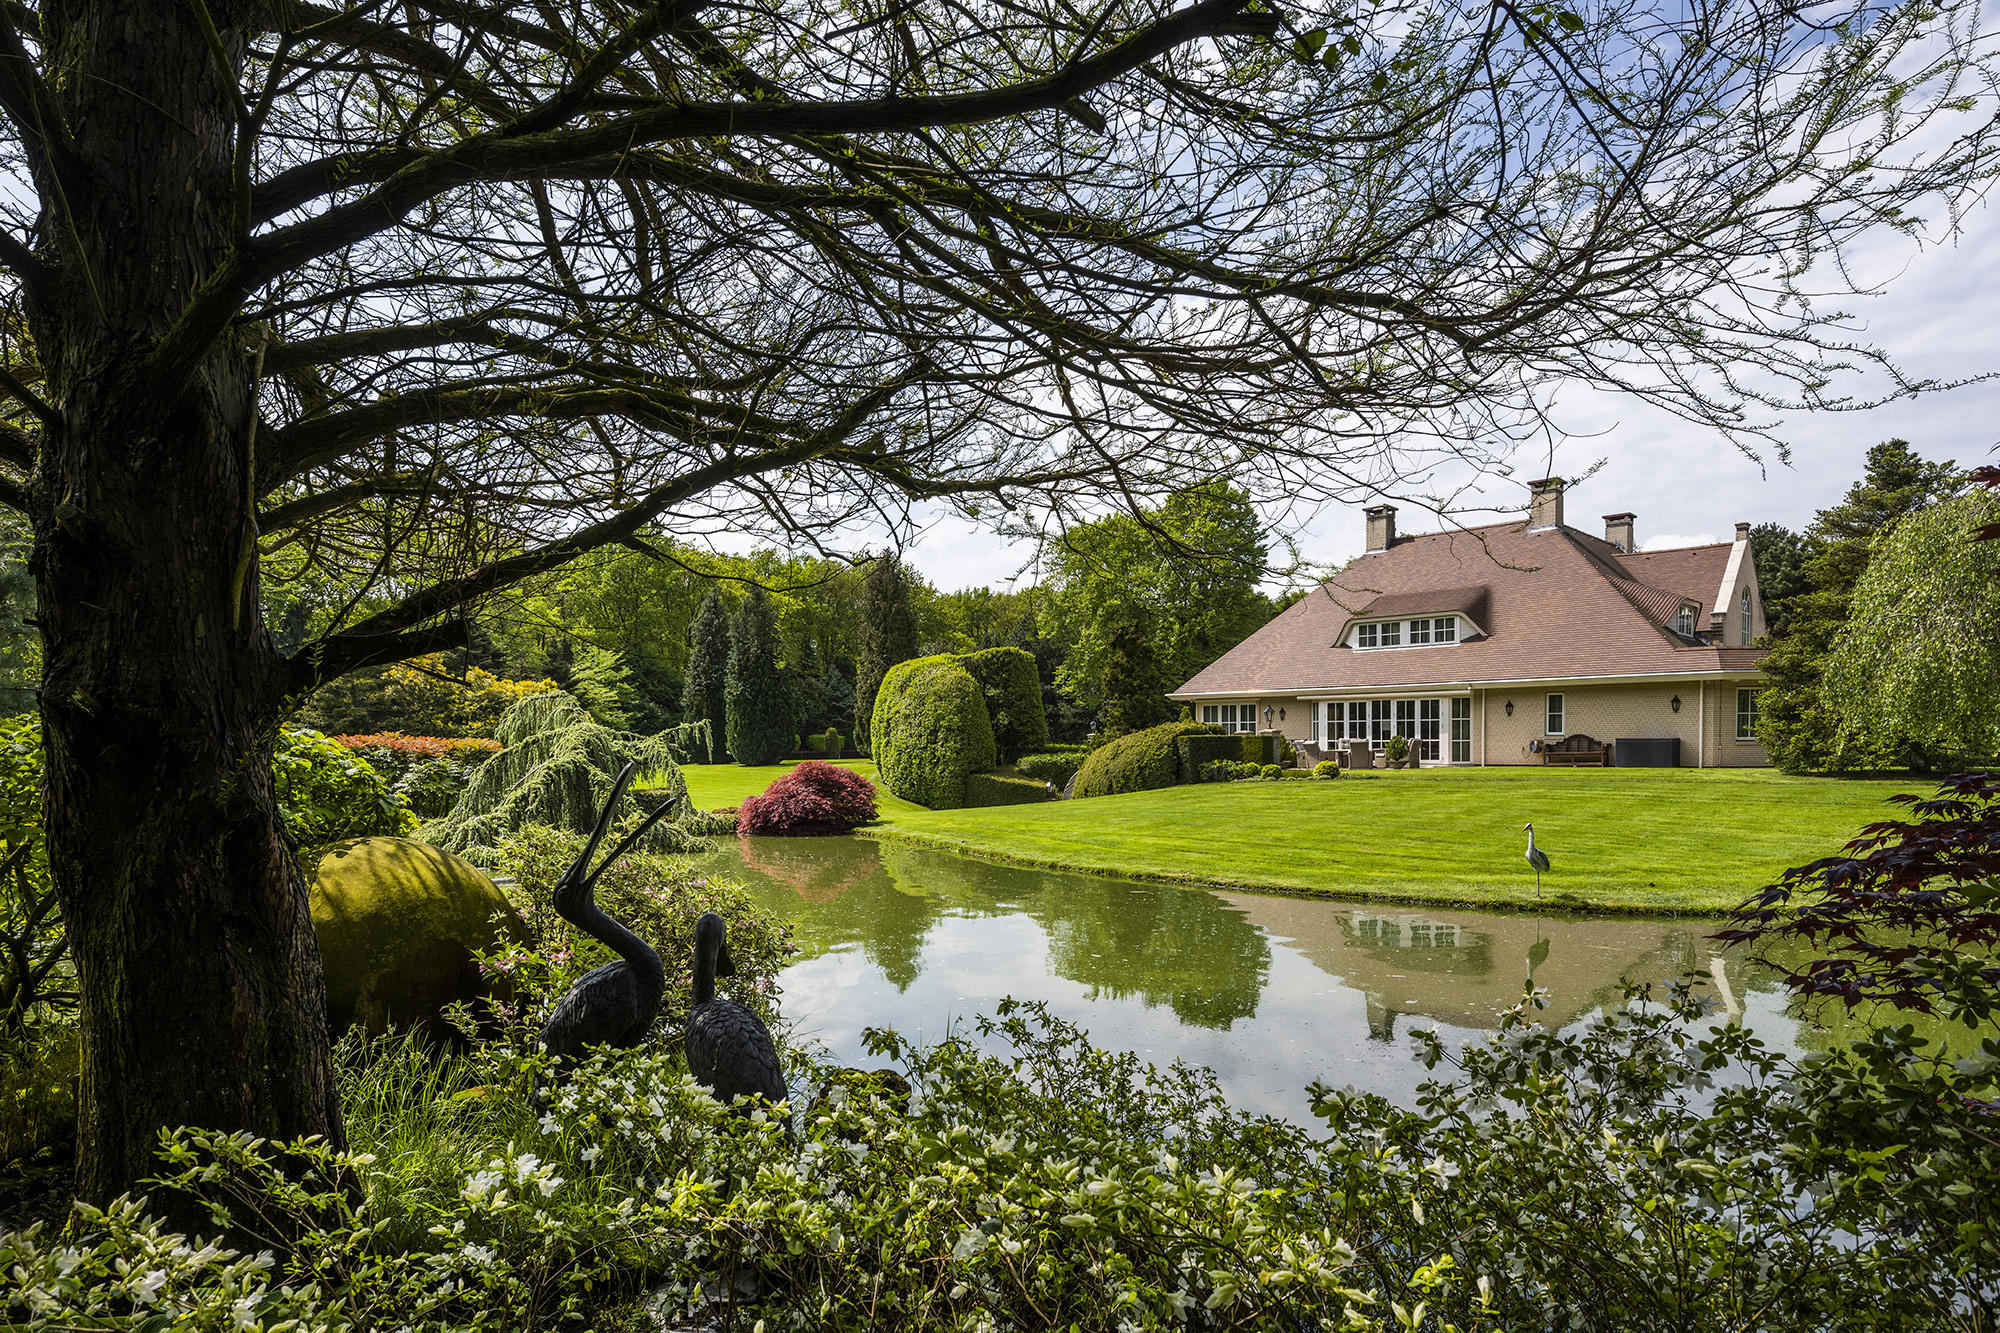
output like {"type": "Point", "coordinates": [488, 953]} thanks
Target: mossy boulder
{"type": "Point", "coordinates": [399, 924]}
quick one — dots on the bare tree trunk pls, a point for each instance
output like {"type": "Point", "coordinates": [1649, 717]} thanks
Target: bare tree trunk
{"type": "Point", "coordinates": [202, 994]}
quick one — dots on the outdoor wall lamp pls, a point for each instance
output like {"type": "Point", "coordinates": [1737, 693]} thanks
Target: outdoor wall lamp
{"type": "Point", "coordinates": [1281, 714]}
{"type": "Point", "coordinates": [1268, 710]}
{"type": "Point", "coordinates": [1510, 708]}
{"type": "Point", "coordinates": [1675, 703]}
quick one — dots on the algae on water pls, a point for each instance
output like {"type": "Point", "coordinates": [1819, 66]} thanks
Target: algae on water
{"type": "Point", "coordinates": [557, 767]}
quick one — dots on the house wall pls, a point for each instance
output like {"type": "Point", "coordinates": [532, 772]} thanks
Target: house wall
{"type": "Point", "coordinates": [1707, 729]}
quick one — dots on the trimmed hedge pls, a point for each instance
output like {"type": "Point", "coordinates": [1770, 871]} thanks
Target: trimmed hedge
{"type": "Point", "coordinates": [984, 789]}
{"type": "Point", "coordinates": [1013, 690]}
{"type": "Point", "coordinates": [1052, 766]}
{"type": "Point", "coordinates": [1143, 761]}
{"type": "Point", "coordinates": [930, 729]}
{"type": "Point", "coordinates": [1198, 750]}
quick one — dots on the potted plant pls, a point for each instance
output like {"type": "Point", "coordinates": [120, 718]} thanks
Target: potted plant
{"type": "Point", "coordinates": [1397, 752]}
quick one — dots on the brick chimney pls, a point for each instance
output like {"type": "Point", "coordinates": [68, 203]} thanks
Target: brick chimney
{"type": "Point", "coordinates": [1742, 532]}
{"type": "Point", "coordinates": [1545, 503]}
{"type": "Point", "coordinates": [1618, 531]}
{"type": "Point", "coordinates": [1381, 526]}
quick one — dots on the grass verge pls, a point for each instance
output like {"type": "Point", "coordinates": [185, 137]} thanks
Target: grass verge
{"type": "Point", "coordinates": [1674, 841]}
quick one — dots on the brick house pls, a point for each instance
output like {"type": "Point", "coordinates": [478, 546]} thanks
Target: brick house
{"type": "Point", "coordinates": [1498, 644]}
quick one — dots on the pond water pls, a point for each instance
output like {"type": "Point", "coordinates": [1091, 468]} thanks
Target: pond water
{"type": "Point", "coordinates": [1270, 992]}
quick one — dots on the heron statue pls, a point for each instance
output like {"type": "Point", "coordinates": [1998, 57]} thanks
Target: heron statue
{"type": "Point", "coordinates": [1536, 857]}
{"type": "Point", "coordinates": [615, 1004]}
{"type": "Point", "coordinates": [728, 1048]}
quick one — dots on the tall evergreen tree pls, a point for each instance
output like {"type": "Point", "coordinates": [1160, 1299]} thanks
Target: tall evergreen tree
{"type": "Point", "coordinates": [1780, 554]}
{"type": "Point", "coordinates": [755, 700]}
{"type": "Point", "coordinates": [707, 672]}
{"type": "Point", "coordinates": [1134, 693]}
{"type": "Point", "coordinates": [887, 633]}
{"type": "Point", "coordinates": [1799, 732]}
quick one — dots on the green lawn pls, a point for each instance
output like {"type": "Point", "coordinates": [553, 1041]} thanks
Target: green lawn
{"type": "Point", "coordinates": [1638, 840]}
{"type": "Point", "coordinates": [714, 786]}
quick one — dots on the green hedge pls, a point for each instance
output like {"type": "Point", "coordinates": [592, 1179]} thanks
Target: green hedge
{"type": "Point", "coordinates": [1013, 690]}
{"type": "Point", "coordinates": [1199, 749]}
{"type": "Point", "coordinates": [1142, 761]}
{"type": "Point", "coordinates": [983, 789]}
{"type": "Point", "coordinates": [930, 729]}
{"type": "Point", "coordinates": [1055, 766]}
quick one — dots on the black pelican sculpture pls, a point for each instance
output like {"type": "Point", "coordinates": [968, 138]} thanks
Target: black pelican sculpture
{"type": "Point", "coordinates": [728, 1048]}
{"type": "Point", "coordinates": [615, 1004]}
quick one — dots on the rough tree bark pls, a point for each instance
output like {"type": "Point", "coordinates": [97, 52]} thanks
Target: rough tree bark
{"type": "Point", "coordinates": [200, 972]}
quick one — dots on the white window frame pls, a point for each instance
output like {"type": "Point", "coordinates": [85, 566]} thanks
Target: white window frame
{"type": "Point", "coordinates": [1553, 717]}
{"type": "Point", "coordinates": [1421, 632]}
{"type": "Point", "coordinates": [1746, 617]}
{"type": "Point", "coordinates": [1461, 731]}
{"type": "Point", "coordinates": [1684, 622]}
{"type": "Point", "coordinates": [1444, 629]}
{"type": "Point", "coordinates": [1747, 714]}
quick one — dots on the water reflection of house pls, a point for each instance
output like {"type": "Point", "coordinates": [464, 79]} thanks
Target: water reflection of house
{"type": "Point", "coordinates": [1463, 968]}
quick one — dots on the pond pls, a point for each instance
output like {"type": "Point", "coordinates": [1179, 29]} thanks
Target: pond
{"type": "Point", "coordinates": [1270, 992]}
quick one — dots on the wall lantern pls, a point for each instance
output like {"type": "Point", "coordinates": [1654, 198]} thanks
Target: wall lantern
{"type": "Point", "coordinates": [1281, 714]}
{"type": "Point", "coordinates": [1675, 703]}
{"type": "Point", "coordinates": [1268, 710]}
{"type": "Point", "coordinates": [1510, 708]}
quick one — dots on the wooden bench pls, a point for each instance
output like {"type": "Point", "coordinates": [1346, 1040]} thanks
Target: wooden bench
{"type": "Point", "coordinates": [1577, 749]}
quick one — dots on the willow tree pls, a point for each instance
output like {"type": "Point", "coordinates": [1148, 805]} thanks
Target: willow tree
{"type": "Point", "coordinates": [446, 292]}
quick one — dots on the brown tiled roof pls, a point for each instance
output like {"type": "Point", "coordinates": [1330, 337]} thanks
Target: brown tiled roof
{"type": "Point", "coordinates": [1441, 602]}
{"type": "Point", "coordinates": [1559, 604]}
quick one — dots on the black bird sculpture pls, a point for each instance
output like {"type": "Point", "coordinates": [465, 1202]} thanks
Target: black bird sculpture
{"type": "Point", "coordinates": [728, 1048]}
{"type": "Point", "coordinates": [615, 1004]}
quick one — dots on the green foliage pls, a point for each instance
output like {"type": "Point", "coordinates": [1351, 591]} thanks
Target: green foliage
{"type": "Point", "coordinates": [1187, 573]}
{"type": "Point", "coordinates": [1780, 555]}
{"type": "Point", "coordinates": [1141, 761]}
{"type": "Point", "coordinates": [441, 694]}
{"type": "Point", "coordinates": [1057, 766]}
{"type": "Point", "coordinates": [660, 897]}
{"type": "Point", "coordinates": [1798, 731]}
{"type": "Point", "coordinates": [36, 973]}
{"type": "Point", "coordinates": [756, 700]}
{"type": "Point", "coordinates": [702, 693]}
{"type": "Point", "coordinates": [931, 730]}
{"type": "Point", "coordinates": [1643, 1172]}
{"type": "Point", "coordinates": [1398, 748]}
{"type": "Point", "coordinates": [1326, 768]}
{"type": "Point", "coordinates": [886, 634]}
{"type": "Point", "coordinates": [1133, 690]}
{"type": "Point", "coordinates": [1919, 656]}
{"type": "Point", "coordinates": [20, 642]}
{"type": "Point", "coordinates": [434, 786]}
{"type": "Point", "coordinates": [988, 789]}
{"type": "Point", "coordinates": [1013, 690]}
{"type": "Point", "coordinates": [1198, 749]}
{"type": "Point", "coordinates": [327, 792]}
{"type": "Point", "coordinates": [557, 768]}
{"type": "Point", "coordinates": [1270, 771]}
{"type": "Point", "coordinates": [39, 1072]}
{"type": "Point", "coordinates": [600, 681]}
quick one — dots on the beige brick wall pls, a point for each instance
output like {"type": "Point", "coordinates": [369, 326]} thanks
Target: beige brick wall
{"type": "Point", "coordinates": [1604, 712]}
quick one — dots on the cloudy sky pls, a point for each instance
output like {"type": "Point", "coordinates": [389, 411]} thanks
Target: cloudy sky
{"type": "Point", "coordinates": [1935, 316]}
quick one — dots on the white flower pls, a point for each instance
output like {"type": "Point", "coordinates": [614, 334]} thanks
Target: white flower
{"type": "Point", "coordinates": [480, 1185]}
{"type": "Point", "coordinates": [147, 1289]}
{"type": "Point", "coordinates": [548, 1122]}
{"type": "Point", "coordinates": [970, 1243]}
{"type": "Point", "coordinates": [243, 1314]}
{"type": "Point", "coordinates": [591, 1154]}
{"type": "Point", "coordinates": [480, 1255]}
{"type": "Point", "coordinates": [524, 1166]}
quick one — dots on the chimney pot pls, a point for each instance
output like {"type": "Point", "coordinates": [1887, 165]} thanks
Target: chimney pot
{"type": "Point", "coordinates": [1545, 503]}
{"type": "Point", "coordinates": [1742, 532]}
{"type": "Point", "coordinates": [1381, 527]}
{"type": "Point", "coordinates": [1618, 531]}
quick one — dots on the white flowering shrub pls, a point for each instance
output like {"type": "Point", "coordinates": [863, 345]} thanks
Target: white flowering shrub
{"type": "Point", "coordinates": [1647, 1172]}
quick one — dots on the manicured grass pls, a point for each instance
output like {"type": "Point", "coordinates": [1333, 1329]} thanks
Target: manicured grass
{"type": "Point", "coordinates": [714, 786]}
{"type": "Point", "coordinates": [1627, 840]}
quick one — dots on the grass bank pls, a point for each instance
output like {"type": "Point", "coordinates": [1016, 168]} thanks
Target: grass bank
{"type": "Point", "coordinates": [716, 786]}
{"type": "Point", "coordinates": [1625, 840]}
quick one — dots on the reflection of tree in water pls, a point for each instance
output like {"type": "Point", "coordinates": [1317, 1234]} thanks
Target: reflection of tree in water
{"type": "Point", "coordinates": [817, 869]}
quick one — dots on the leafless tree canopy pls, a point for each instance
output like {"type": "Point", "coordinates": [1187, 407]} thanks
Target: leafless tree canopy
{"type": "Point", "coordinates": [528, 277]}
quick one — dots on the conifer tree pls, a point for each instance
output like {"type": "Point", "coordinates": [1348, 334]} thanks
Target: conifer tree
{"type": "Point", "coordinates": [707, 672]}
{"type": "Point", "coordinates": [1799, 732]}
{"type": "Point", "coordinates": [756, 701]}
{"type": "Point", "coordinates": [887, 634]}
{"type": "Point", "coordinates": [1134, 696]}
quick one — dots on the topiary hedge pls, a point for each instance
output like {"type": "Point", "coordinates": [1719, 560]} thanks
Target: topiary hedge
{"type": "Point", "coordinates": [930, 729]}
{"type": "Point", "coordinates": [984, 789]}
{"type": "Point", "coordinates": [1051, 766]}
{"type": "Point", "coordinates": [1013, 690]}
{"type": "Point", "coordinates": [1143, 761]}
{"type": "Point", "coordinates": [1197, 750]}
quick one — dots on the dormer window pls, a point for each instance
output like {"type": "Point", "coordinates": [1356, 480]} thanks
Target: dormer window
{"type": "Point", "coordinates": [1684, 623]}
{"type": "Point", "coordinates": [1420, 633]}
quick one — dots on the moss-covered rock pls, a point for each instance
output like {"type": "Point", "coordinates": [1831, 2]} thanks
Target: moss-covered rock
{"type": "Point", "coordinates": [930, 729]}
{"type": "Point", "coordinates": [399, 923]}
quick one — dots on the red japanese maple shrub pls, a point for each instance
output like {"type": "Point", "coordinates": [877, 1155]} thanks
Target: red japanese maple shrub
{"type": "Point", "coordinates": [815, 797]}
